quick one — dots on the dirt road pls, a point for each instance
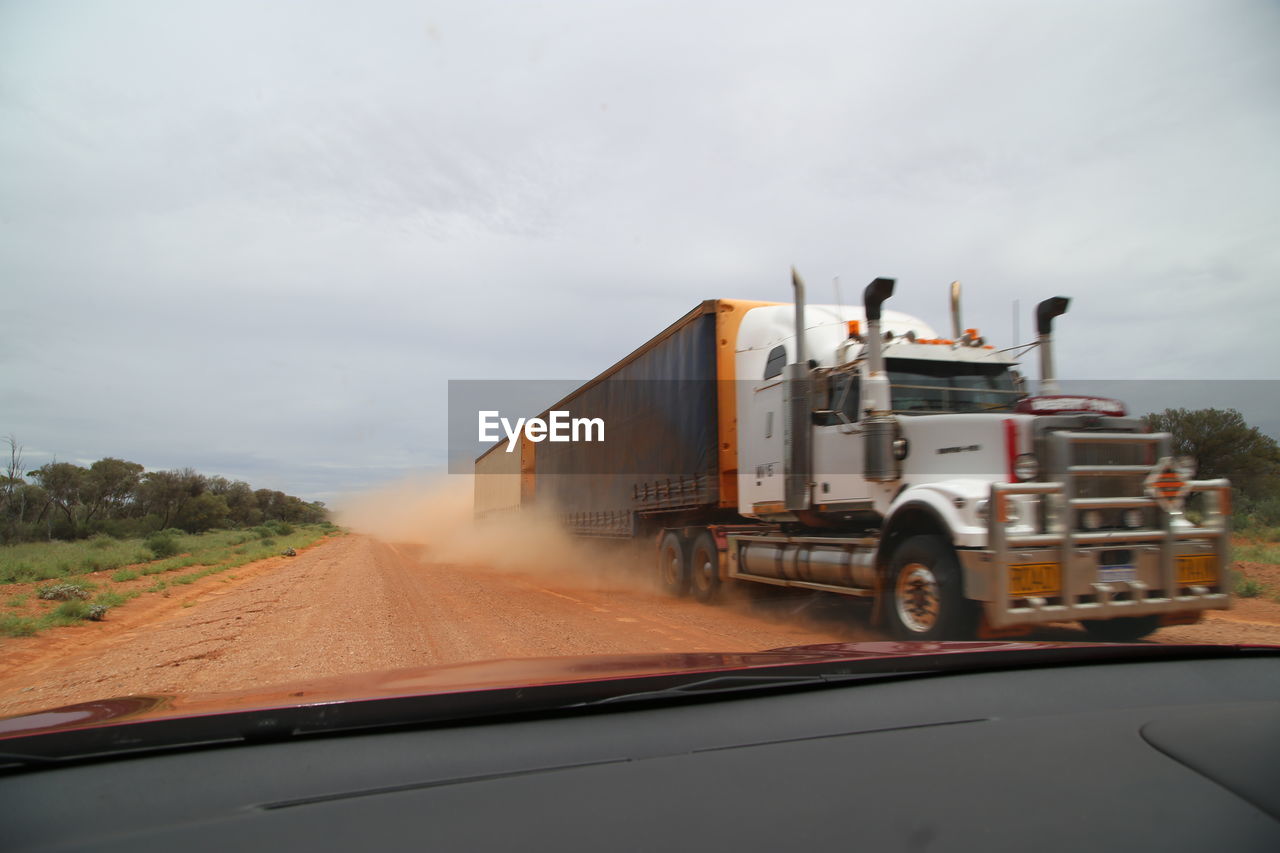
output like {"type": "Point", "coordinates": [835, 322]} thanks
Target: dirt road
{"type": "Point", "coordinates": [356, 604]}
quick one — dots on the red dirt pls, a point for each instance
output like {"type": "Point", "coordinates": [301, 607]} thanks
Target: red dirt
{"type": "Point", "coordinates": [356, 604]}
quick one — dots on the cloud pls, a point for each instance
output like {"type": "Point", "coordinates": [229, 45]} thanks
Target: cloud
{"type": "Point", "coordinates": [275, 232]}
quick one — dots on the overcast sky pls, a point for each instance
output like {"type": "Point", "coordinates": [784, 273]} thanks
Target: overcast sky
{"type": "Point", "coordinates": [259, 238]}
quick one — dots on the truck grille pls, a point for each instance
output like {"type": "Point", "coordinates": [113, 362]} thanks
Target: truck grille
{"type": "Point", "coordinates": [1099, 465]}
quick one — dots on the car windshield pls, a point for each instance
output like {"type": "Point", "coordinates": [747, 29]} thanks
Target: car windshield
{"type": "Point", "coordinates": [919, 386]}
{"type": "Point", "coordinates": [342, 340]}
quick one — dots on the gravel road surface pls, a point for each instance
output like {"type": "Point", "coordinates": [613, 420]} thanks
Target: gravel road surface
{"type": "Point", "coordinates": [356, 604]}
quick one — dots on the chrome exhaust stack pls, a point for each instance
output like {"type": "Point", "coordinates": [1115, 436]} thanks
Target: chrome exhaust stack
{"type": "Point", "coordinates": [798, 457]}
{"type": "Point", "coordinates": [879, 425]}
{"type": "Point", "coordinates": [957, 328]}
{"type": "Point", "coordinates": [1046, 311]}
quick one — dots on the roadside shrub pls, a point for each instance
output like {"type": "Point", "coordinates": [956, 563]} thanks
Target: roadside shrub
{"type": "Point", "coordinates": [1249, 588]}
{"type": "Point", "coordinates": [263, 531]}
{"type": "Point", "coordinates": [101, 540]}
{"type": "Point", "coordinates": [71, 610]}
{"type": "Point", "coordinates": [16, 626]}
{"type": "Point", "coordinates": [282, 528]}
{"type": "Point", "coordinates": [17, 573]}
{"type": "Point", "coordinates": [110, 599]}
{"type": "Point", "coordinates": [1259, 512]}
{"type": "Point", "coordinates": [62, 529]}
{"type": "Point", "coordinates": [62, 592]}
{"type": "Point", "coordinates": [97, 612]}
{"type": "Point", "coordinates": [162, 545]}
{"type": "Point", "coordinates": [268, 542]}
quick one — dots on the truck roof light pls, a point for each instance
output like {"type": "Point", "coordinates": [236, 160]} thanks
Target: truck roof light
{"type": "Point", "coordinates": [855, 328]}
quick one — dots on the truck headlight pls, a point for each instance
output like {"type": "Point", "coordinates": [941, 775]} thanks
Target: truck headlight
{"type": "Point", "coordinates": [1091, 519]}
{"type": "Point", "coordinates": [1134, 518]}
{"type": "Point", "coordinates": [1025, 467]}
{"type": "Point", "coordinates": [1012, 513]}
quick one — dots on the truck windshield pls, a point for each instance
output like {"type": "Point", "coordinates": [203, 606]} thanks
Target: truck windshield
{"type": "Point", "coordinates": [924, 387]}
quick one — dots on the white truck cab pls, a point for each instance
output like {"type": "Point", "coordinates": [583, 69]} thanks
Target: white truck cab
{"type": "Point", "coordinates": [916, 470]}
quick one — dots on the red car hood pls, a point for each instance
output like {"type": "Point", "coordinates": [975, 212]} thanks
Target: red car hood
{"type": "Point", "coordinates": [469, 678]}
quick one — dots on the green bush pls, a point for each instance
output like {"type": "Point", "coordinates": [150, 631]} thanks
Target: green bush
{"type": "Point", "coordinates": [16, 626]}
{"type": "Point", "coordinates": [101, 540]}
{"type": "Point", "coordinates": [1262, 512]}
{"type": "Point", "coordinates": [162, 545]}
{"type": "Point", "coordinates": [72, 610]}
{"type": "Point", "coordinates": [110, 599]}
{"type": "Point", "coordinates": [282, 528]}
{"type": "Point", "coordinates": [263, 531]}
{"type": "Point", "coordinates": [62, 592]}
{"type": "Point", "coordinates": [1249, 588]}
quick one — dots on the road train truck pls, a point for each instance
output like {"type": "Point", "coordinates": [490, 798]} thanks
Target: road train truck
{"type": "Point", "coordinates": [855, 450]}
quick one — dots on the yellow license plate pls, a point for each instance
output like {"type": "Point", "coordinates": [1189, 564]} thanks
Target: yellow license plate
{"type": "Point", "coordinates": [1197, 569]}
{"type": "Point", "coordinates": [1034, 579]}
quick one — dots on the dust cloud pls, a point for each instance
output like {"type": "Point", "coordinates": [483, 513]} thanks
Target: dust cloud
{"type": "Point", "coordinates": [434, 519]}
{"type": "Point", "coordinates": [437, 515]}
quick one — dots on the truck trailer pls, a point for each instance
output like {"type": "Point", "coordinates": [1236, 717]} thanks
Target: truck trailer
{"type": "Point", "coordinates": [870, 456]}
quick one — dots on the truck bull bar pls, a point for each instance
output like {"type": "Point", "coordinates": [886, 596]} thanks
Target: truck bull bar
{"type": "Point", "coordinates": [1156, 590]}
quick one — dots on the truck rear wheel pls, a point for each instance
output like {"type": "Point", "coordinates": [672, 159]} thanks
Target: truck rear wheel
{"type": "Point", "coordinates": [926, 594]}
{"type": "Point", "coordinates": [1123, 630]}
{"type": "Point", "coordinates": [673, 565]}
{"type": "Point", "coordinates": [704, 567]}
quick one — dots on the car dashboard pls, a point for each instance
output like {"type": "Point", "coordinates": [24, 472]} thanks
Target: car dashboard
{"type": "Point", "coordinates": [1166, 755]}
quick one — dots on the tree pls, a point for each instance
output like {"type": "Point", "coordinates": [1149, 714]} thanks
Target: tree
{"type": "Point", "coordinates": [272, 504]}
{"type": "Point", "coordinates": [1223, 445]}
{"type": "Point", "coordinates": [243, 504]}
{"type": "Point", "coordinates": [109, 485]}
{"type": "Point", "coordinates": [203, 512]}
{"type": "Point", "coordinates": [64, 483]}
{"type": "Point", "coordinates": [11, 481]}
{"type": "Point", "coordinates": [165, 493]}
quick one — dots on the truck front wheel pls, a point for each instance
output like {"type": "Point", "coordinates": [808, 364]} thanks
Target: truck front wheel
{"type": "Point", "coordinates": [926, 594]}
{"type": "Point", "coordinates": [673, 565]}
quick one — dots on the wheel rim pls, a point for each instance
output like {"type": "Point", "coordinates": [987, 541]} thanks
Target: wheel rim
{"type": "Point", "coordinates": [917, 599]}
{"type": "Point", "coordinates": [670, 566]}
{"type": "Point", "coordinates": [703, 571]}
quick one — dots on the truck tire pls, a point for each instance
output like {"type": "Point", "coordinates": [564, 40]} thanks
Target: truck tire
{"type": "Point", "coordinates": [704, 567]}
{"type": "Point", "coordinates": [673, 564]}
{"type": "Point", "coordinates": [1126, 629]}
{"type": "Point", "coordinates": [926, 593]}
